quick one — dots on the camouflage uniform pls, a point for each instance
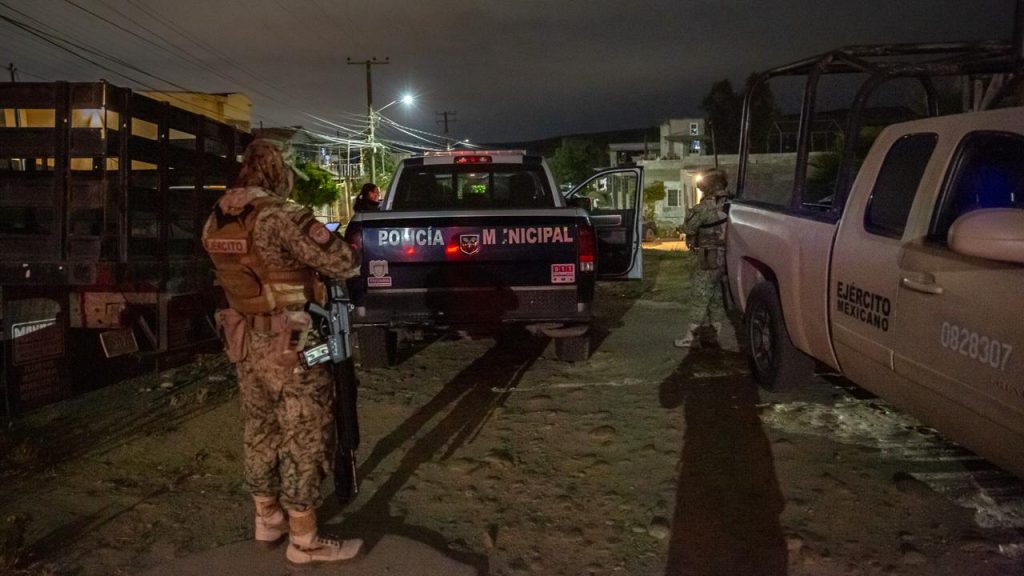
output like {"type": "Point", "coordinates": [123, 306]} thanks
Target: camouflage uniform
{"type": "Point", "coordinates": [704, 228]}
{"type": "Point", "coordinates": [288, 411]}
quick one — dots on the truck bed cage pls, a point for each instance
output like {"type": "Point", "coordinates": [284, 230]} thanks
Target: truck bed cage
{"type": "Point", "coordinates": [880, 63]}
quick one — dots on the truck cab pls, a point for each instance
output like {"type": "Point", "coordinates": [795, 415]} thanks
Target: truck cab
{"type": "Point", "coordinates": [927, 262]}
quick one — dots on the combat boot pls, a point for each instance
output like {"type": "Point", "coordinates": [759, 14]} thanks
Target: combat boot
{"type": "Point", "coordinates": [307, 545]}
{"type": "Point", "coordinates": [271, 523]}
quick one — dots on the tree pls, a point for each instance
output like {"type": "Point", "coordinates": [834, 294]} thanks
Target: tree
{"type": "Point", "coordinates": [575, 160]}
{"type": "Point", "coordinates": [652, 195]}
{"type": "Point", "coordinates": [763, 113]}
{"type": "Point", "coordinates": [723, 108]}
{"type": "Point", "coordinates": [319, 190]}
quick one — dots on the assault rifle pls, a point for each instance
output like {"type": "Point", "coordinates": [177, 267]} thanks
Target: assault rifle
{"type": "Point", "coordinates": [333, 325]}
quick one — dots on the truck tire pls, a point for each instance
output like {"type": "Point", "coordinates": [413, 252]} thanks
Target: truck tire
{"type": "Point", "coordinates": [573, 348]}
{"type": "Point", "coordinates": [377, 346]}
{"type": "Point", "coordinates": [776, 363]}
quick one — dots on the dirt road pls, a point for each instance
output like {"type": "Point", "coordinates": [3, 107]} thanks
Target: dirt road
{"type": "Point", "coordinates": [643, 460]}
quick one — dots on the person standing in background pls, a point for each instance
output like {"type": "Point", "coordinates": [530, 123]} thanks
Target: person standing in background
{"type": "Point", "coordinates": [704, 228]}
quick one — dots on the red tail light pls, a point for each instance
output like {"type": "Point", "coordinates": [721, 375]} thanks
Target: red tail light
{"type": "Point", "coordinates": [472, 159]}
{"type": "Point", "coordinates": [587, 248]}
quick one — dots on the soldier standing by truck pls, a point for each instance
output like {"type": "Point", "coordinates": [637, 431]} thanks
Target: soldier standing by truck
{"type": "Point", "coordinates": [704, 228]}
{"type": "Point", "coordinates": [267, 253]}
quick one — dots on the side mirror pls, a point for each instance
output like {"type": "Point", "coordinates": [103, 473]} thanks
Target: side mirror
{"type": "Point", "coordinates": [990, 233]}
{"type": "Point", "coordinates": [581, 202]}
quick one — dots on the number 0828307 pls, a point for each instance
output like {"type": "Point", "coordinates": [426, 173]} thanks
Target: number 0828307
{"type": "Point", "coordinates": [981, 348]}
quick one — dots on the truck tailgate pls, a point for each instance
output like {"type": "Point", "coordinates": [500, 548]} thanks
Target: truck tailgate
{"type": "Point", "coordinates": [471, 269]}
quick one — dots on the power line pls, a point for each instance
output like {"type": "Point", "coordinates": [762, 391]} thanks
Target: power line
{"type": "Point", "coordinates": [57, 39]}
{"type": "Point", "coordinates": [56, 42]}
{"type": "Point", "coordinates": [177, 50]}
{"type": "Point", "coordinates": [391, 122]}
{"type": "Point", "coordinates": [203, 45]}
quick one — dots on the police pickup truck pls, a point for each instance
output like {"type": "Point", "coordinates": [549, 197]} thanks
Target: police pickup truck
{"type": "Point", "coordinates": [474, 240]}
{"type": "Point", "coordinates": [914, 291]}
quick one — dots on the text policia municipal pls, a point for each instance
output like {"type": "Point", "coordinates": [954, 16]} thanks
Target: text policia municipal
{"type": "Point", "coordinates": [489, 236]}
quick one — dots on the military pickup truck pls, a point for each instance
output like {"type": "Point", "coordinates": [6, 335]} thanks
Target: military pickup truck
{"type": "Point", "coordinates": [473, 240]}
{"type": "Point", "coordinates": [915, 292]}
{"type": "Point", "coordinates": [878, 230]}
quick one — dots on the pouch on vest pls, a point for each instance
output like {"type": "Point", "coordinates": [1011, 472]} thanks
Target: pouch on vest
{"type": "Point", "coordinates": [711, 257]}
{"type": "Point", "coordinates": [292, 332]}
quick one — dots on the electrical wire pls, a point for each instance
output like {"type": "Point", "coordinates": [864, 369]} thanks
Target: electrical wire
{"type": "Point", "coordinates": [59, 43]}
{"type": "Point", "coordinates": [424, 132]}
{"type": "Point", "coordinates": [207, 47]}
{"type": "Point", "coordinates": [170, 47]}
{"type": "Point", "coordinates": [57, 39]}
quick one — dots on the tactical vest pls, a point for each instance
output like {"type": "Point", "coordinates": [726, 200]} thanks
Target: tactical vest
{"type": "Point", "coordinates": [249, 284]}
{"type": "Point", "coordinates": [711, 236]}
{"type": "Point", "coordinates": [709, 243]}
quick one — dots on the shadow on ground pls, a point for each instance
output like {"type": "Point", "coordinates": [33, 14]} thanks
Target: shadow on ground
{"type": "Point", "coordinates": [472, 399]}
{"type": "Point", "coordinates": [728, 498]}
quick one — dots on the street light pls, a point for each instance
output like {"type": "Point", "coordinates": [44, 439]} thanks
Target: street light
{"type": "Point", "coordinates": [406, 99]}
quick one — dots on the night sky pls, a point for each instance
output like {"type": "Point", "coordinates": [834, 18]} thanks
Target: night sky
{"type": "Point", "coordinates": [511, 70]}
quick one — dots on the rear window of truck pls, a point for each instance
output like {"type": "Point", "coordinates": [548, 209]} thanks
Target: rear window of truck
{"type": "Point", "coordinates": [476, 187]}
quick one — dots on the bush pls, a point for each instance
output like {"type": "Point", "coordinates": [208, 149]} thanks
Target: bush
{"type": "Point", "coordinates": [667, 229]}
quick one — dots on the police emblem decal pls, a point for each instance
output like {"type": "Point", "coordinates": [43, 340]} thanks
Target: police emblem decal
{"type": "Point", "coordinates": [378, 274]}
{"type": "Point", "coordinates": [469, 243]}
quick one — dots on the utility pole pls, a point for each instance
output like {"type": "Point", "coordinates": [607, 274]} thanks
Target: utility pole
{"type": "Point", "coordinates": [14, 78]}
{"type": "Point", "coordinates": [443, 118]}
{"type": "Point", "coordinates": [369, 107]}
{"type": "Point", "coordinates": [348, 181]}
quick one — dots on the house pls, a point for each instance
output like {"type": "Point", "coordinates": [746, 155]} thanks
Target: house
{"type": "Point", "coordinates": [683, 153]}
{"type": "Point", "coordinates": [679, 156]}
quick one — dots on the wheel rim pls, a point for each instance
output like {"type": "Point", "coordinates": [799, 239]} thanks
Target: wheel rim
{"type": "Point", "coordinates": [761, 340]}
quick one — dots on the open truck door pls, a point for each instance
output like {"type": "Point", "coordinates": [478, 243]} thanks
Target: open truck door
{"type": "Point", "coordinates": [614, 199]}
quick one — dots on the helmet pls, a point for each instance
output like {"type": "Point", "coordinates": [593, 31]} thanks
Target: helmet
{"type": "Point", "coordinates": [713, 182]}
{"type": "Point", "coordinates": [267, 163]}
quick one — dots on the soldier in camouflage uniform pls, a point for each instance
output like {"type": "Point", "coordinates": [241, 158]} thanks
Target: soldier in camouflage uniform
{"type": "Point", "coordinates": [704, 228]}
{"type": "Point", "coordinates": [267, 253]}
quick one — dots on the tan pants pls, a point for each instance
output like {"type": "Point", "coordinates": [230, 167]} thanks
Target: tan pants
{"type": "Point", "coordinates": [289, 424]}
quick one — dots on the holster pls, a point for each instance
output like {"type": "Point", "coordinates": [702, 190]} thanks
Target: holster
{"type": "Point", "coordinates": [232, 327]}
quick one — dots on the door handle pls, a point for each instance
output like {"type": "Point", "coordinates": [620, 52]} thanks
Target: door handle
{"type": "Point", "coordinates": [606, 220]}
{"type": "Point", "coordinates": [924, 287]}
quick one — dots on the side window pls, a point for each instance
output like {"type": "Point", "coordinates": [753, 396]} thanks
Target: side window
{"type": "Point", "coordinates": [988, 173]}
{"type": "Point", "coordinates": [615, 191]}
{"type": "Point", "coordinates": [894, 191]}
